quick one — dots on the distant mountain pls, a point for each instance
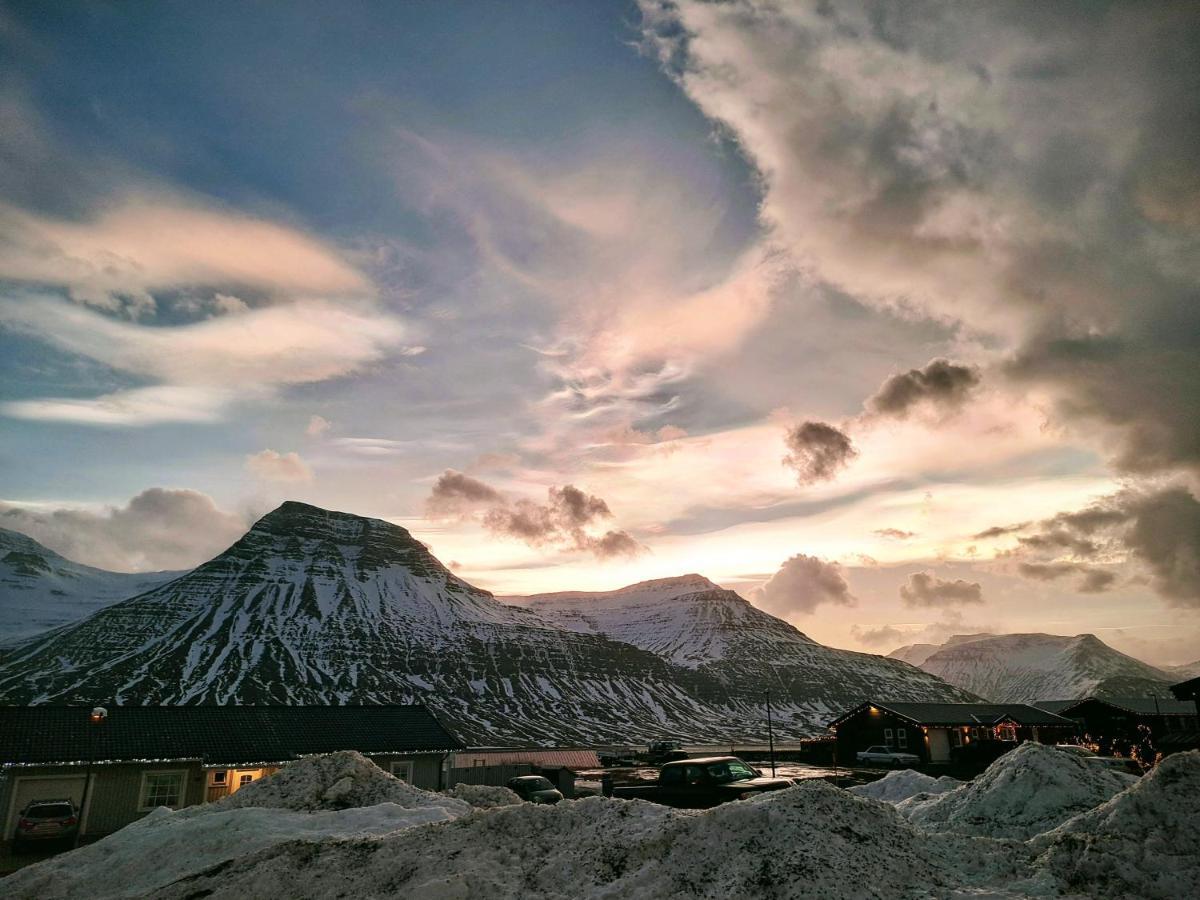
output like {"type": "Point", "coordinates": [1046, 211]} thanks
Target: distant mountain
{"type": "Point", "coordinates": [40, 590]}
{"type": "Point", "coordinates": [1184, 672]}
{"type": "Point", "coordinates": [312, 606]}
{"type": "Point", "coordinates": [1024, 668]}
{"type": "Point", "coordinates": [693, 623]}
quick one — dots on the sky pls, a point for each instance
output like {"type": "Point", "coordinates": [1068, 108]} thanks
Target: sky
{"type": "Point", "coordinates": [885, 315]}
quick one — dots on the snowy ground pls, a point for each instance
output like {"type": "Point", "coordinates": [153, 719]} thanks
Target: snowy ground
{"type": "Point", "coordinates": [813, 840]}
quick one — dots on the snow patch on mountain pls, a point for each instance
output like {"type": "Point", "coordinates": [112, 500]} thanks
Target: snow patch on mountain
{"type": "Point", "coordinates": [1025, 668]}
{"type": "Point", "coordinates": [40, 590]}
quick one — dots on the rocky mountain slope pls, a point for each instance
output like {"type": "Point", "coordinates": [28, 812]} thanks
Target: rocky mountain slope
{"type": "Point", "coordinates": [312, 606]}
{"type": "Point", "coordinates": [1024, 668]}
{"type": "Point", "coordinates": [40, 590]}
{"type": "Point", "coordinates": [693, 623]}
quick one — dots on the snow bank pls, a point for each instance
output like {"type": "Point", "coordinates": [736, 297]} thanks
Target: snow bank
{"type": "Point", "coordinates": [143, 858]}
{"type": "Point", "coordinates": [1144, 842]}
{"type": "Point", "coordinates": [482, 796]}
{"type": "Point", "coordinates": [334, 781]}
{"type": "Point", "coordinates": [812, 840]}
{"type": "Point", "coordinates": [1027, 791]}
{"type": "Point", "coordinates": [340, 795]}
{"type": "Point", "coordinates": [897, 786]}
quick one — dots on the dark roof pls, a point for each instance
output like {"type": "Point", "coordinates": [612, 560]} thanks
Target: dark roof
{"type": "Point", "coordinates": [1188, 687]}
{"type": "Point", "coordinates": [963, 713]}
{"type": "Point", "coordinates": [215, 734]}
{"type": "Point", "coordinates": [1146, 706]}
{"type": "Point", "coordinates": [1184, 740]}
{"type": "Point", "coordinates": [1054, 706]}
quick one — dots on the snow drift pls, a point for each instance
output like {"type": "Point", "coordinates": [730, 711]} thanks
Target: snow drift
{"type": "Point", "coordinates": [1144, 842]}
{"type": "Point", "coordinates": [482, 796]}
{"type": "Point", "coordinates": [1025, 792]}
{"type": "Point", "coordinates": [903, 784]}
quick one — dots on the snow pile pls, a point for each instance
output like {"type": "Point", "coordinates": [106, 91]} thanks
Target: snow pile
{"type": "Point", "coordinates": [812, 840]}
{"type": "Point", "coordinates": [482, 796]}
{"type": "Point", "coordinates": [143, 858]}
{"type": "Point", "coordinates": [1143, 842]}
{"type": "Point", "coordinates": [1027, 791]}
{"type": "Point", "coordinates": [900, 785]}
{"type": "Point", "coordinates": [334, 781]}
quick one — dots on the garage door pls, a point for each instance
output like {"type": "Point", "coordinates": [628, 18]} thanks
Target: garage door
{"type": "Point", "coordinates": [34, 787]}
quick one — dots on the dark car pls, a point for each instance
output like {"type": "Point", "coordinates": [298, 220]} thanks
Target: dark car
{"type": "Point", "coordinates": [47, 820]}
{"type": "Point", "coordinates": [703, 783]}
{"type": "Point", "coordinates": [535, 789]}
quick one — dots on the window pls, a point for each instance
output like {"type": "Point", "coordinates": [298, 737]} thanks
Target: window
{"type": "Point", "coordinates": [1006, 733]}
{"type": "Point", "coordinates": [162, 789]}
{"type": "Point", "coordinates": [403, 770]}
{"type": "Point", "coordinates": [901, 739]}
{"type": "Point", "coordinates": [957, 736]}
{"type": "Point", "coordinates": [244, 780]}
{"type": "Point", "coordinates": [888, 738]}
{"type": "Point", "coordinates": [671, 776]}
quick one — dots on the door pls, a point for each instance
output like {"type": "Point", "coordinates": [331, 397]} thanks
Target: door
{"type": "Point", "coordinates": [42, 787]}
{"type": "Point", "coordinates": [939, 745]}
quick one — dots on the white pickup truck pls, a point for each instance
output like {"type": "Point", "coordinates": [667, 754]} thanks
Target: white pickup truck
{"type": "Point", "coordinates": [886, 755]}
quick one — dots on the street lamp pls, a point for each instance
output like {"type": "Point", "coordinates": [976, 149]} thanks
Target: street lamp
{"type": "Point", "coordinates": [95, 719]}
{"type": "Point", "coordinates": [770, 734]}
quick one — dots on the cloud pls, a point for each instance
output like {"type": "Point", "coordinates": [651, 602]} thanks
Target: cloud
{"type": "Point", "coordinates": [564, 521]}
{"type": "Point", "coordinates": [1093, 580]}
{"type": "Point", "coordinates": [1158, 528]}
{"type": "Point", "coordinates": [317, 426]}
{"type": "Point", "coordinates": [940, 384]}
{"type": "Point", "coordinates": [818, 451]}
{"type": "Point", "coordinates": [951, 162]}
{"type": "Point", "coordinates": [455, 494]}
{"type": "Point", "coordinates": [801, 585]}
{"type": "Point", "coordinates": [142, 243]}
{"type": "Point", "coordinates": [160, 528]}
{"type": "Point", "coordinates": [272, 465]}
{"type": "Point", "coordinates": [203, 367]}
{"type": "Point", "coordinates": [894, 534]}
{"type": "Point", "coordinates": [884, 636]}
{"type": "Point", "coordinates": [999, 531]}
{"type": "Point", "coordinates": [926, 589]}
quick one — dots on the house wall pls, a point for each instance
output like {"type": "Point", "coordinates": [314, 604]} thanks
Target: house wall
{"type": "Point", "coordinates": [867, 729]}
{"type": "Point", "coordinates": [426, 768]}
{"type": "Point", "coordinates": [113, 797]}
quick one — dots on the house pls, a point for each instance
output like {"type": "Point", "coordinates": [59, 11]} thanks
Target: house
{"type": "Point", "coordinates": [1115, 722]}
{"type": "Point", "coordinates": [120, 763]}
{"type": "Point", "coordinates": [497, 765]}
{"type": "Point", "coordinates": [946, 732]}
{"type": "Point", "coordinates": [1187, 690]}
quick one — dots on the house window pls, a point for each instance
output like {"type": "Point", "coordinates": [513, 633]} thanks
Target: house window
{"type": "Point", "coordinates": [244, 780]}
{"type": "Point", "coordinates": [403, 770]}
{"type": "Point", "coordinates": [162, 789]}
{"type": "Point", "coordinates": [1006, 733]}
{"type": "Point", "coordinates": [901, 739]}
{"type": "Point", "coordinates": [888, 737]}
{"type": "Point", "coordinates": [220, 776]}
{"type": "Point", "coordinates": [956, 736]}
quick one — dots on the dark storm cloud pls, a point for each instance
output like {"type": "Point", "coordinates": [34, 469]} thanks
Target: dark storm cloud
{"type": "Point", "coordinates": [926, 589]}
{"type": "Point", "coordinates": [818, 451]}
{"type": "Point", "coordinates": [455, 493]}
{"type": "Point", "coordinates": [561, 522]}
{"type": "Point", "coordinates": [1159, 529]}
{"type": "Point", "coordinates": [801, 585]}
{"type": "Point", "coordinates": [940, 384]}
{"type": "Point", "coordinates": [158, 529]}
{"type": "Point", "coordinates": [1092, 580]}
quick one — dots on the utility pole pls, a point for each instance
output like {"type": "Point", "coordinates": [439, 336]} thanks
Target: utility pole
{"type": "Point", "coordinates": [770, 734]}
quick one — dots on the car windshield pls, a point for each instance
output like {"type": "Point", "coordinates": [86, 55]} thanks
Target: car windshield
{"type": "Point", "coordinates": [49, 811]}
{"type": "Point", "coordinates": [729, 771]}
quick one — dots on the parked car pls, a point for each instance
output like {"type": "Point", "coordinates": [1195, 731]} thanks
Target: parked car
{"type": "Point", "coordinates": [703, 783]}
{"type": "Point", "coordinates": [887, 756]}
{"type": "Point", "coordinates": [1120, 763]}
{"type": "Point", "coordinates": [46, 820]}
{"type": "Point", "coordinates": [535, 789]}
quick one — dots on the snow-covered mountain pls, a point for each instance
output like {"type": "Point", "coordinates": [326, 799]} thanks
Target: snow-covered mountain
{"type": "Point", "coordinates": [312, 606]}
{"type": "Point", "coordinates": [695, 624]}
{"type": "Point", "coordinates": [916, 654]}
{"type": "Point", "coordinates": [1024, 668]}
{"type": "Point", "coordinates": [40, 590]}
{"type": "Point", "coordinates": [1184, 672]}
